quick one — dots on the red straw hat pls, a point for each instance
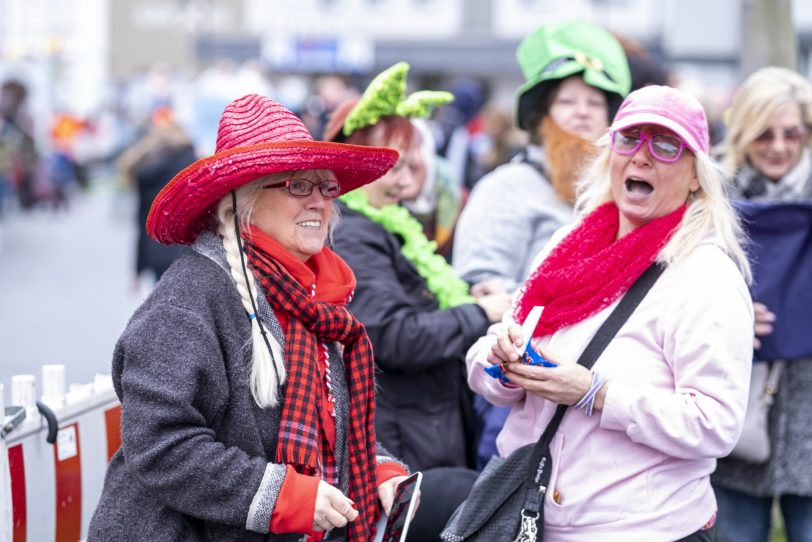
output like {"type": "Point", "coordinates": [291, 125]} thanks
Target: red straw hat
{"type": "Point", "coordinates": [257, 137]}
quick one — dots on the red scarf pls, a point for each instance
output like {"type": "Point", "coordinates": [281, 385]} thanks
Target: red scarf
{"type": "Point", "coordinates": [328, 278]}
{"type": "Point", "coordinates": [590, 268]}
{"type": "Point", "coordinates": [326, 273]}
{"type": "Point", "coordinates": [311, 323]}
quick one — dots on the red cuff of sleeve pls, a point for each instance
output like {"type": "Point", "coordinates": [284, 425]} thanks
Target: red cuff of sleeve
{"type": "Point", "coordinates": [293, 512]}
{"type": "Point", "coordinates": [385, 471]}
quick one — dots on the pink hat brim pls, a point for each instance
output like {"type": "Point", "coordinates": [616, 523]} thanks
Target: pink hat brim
{"type": "Point", "coordinates": [185, 206]}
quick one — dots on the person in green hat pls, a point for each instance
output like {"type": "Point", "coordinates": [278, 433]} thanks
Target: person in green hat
{"type": "Point", "coordinates": [576, 75]}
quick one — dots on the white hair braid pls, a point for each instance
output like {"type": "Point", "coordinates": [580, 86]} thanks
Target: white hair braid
{"type": "Point", "coordinates": [265, 365]}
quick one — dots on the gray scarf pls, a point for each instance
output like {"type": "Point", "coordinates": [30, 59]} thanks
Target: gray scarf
{"type": "Point", "coordinates": [796, 184]}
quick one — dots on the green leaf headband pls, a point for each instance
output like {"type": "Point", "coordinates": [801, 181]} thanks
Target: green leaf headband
{"type": "Point", "coordinates": [386, 96]}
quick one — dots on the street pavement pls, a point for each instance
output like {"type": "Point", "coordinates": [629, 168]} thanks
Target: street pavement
{"type": "Point", "coordinates": [66, 285]}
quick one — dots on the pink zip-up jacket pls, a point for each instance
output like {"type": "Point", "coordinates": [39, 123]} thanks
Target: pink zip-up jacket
{"type": "Point", "coordinates": [678, 374]}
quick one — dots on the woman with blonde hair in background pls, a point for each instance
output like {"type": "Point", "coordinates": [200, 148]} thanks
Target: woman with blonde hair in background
{"type": "Point", "coordinates": [768, 147]}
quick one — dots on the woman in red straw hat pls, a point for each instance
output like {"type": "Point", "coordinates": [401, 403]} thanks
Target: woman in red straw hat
{"type": "Point", "coordinates": [247, 387]}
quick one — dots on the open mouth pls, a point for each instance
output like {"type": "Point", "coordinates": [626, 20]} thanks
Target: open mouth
{"type": "Point", "coordinates": [310, 224]}
{"type": "Point", "coordinates": [638, 186]}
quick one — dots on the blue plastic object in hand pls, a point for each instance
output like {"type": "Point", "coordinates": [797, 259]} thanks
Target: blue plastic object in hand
{"type": "Point", "coordinates": [530, 357]}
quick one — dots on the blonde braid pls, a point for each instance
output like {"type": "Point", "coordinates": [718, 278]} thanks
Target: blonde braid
{"type": "Point", "coordinates": [263, 376]}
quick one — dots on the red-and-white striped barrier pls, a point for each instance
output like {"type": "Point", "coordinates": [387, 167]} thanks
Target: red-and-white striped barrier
{"type": "Point", "coordinates": [49, 491]}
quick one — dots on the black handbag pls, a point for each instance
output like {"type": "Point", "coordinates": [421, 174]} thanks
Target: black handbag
{"type": "Point", "coordinates": [506, 503]}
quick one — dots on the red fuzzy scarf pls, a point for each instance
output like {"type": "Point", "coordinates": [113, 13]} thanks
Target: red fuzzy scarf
{"type": "Point", "coordinates": [310, 323]}
{"type": "Point", "coordinates": [590, 269]}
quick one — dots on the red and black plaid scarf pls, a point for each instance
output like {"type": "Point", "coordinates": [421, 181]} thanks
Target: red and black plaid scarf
{"type": "Point", "coordinates": [300, 444]}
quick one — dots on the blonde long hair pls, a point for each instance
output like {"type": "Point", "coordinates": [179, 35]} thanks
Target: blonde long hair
{"type": "Point", "coordinates": [759, 99]}
{"type": "Point", "coordinates": [709, 210]}
{"type": "Point", "coordinates": [267, 367]}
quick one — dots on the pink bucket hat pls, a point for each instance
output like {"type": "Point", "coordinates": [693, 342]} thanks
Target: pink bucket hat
{"type": "Point", "coordinates": [667, 107]}
{"type": "Point", "coordinates": [257, 137]}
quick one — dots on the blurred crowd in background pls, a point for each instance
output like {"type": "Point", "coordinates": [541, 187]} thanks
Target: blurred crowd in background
{"type": "Point", "coordinates": [44, 160]}
{"type": "Point", "coordinates": [152, 125]}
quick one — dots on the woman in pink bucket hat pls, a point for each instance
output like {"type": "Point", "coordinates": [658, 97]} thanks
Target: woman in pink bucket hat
{"type": "Point", "coordinates": [664, 392]}
{"type": "Point", "coordinates": [247, 387]}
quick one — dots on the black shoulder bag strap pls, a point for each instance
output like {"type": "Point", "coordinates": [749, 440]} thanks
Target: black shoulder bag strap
{"type": "Point", "coordinates": [524, 158]}
{"type": "Point", "coordinates": [538, 477]}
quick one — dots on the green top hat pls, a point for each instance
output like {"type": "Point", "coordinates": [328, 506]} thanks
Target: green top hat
{"type": "Point", "coordinates": [557, 50]}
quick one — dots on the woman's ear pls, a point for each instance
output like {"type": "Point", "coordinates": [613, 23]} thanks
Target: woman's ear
{"type": "Point", "coordinates": [694, 186]}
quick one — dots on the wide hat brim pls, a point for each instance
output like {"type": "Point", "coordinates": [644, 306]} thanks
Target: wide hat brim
{"type": "Point", "coordinates": [186, 205]}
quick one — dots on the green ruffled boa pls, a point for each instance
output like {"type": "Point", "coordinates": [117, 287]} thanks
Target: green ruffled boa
{"type": "Point", "coordinates": [450, 290]}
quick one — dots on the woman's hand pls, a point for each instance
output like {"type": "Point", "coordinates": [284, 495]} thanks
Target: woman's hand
{"type": "Point", "coordinates": [763, 324]}
{"type": "Point", "coordinates": [494, 305]}
{"type": "Point", "coordinates": [386, 493]}
{"type": "Point", "coordinates": [486, 287]}
{"type": "Point", "coordinates": [504, 350]}
{"type": "Point", "coordinates": [564, 385]}
{"type": "Point", "coordinates": [333, 508]}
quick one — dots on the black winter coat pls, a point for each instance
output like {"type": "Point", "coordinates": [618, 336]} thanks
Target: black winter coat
{"type": "Point", "coordinates": [424, 413]}
{"type": "Point", "coordinates": [151, 174]}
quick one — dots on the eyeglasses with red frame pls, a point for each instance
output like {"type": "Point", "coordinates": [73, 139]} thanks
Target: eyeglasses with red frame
{"type": "Point", "coordinates": [790, 135]}
{"type": "Point", "coordinates": [304, 187]}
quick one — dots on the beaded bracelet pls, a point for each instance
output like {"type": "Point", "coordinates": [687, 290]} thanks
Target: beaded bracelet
{"type": "Point", "coordinates": [588, 400]}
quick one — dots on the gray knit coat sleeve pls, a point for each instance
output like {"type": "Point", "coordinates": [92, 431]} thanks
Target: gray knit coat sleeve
{"type": "Point", "coordinates": [196, 451]}
{"type": "Point", "coordinates": [176, 367]}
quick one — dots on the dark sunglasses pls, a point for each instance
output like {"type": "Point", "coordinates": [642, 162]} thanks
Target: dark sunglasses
{"type": "Point", "coordinates": [664, 147]}
{"type": "Point", "coordinates": [304, 187]}
{"type": "Point", "coordinates": [791, 135]}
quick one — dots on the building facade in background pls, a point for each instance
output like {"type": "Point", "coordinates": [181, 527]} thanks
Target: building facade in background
{"type": "Point", "coordinates": [74, 51]}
